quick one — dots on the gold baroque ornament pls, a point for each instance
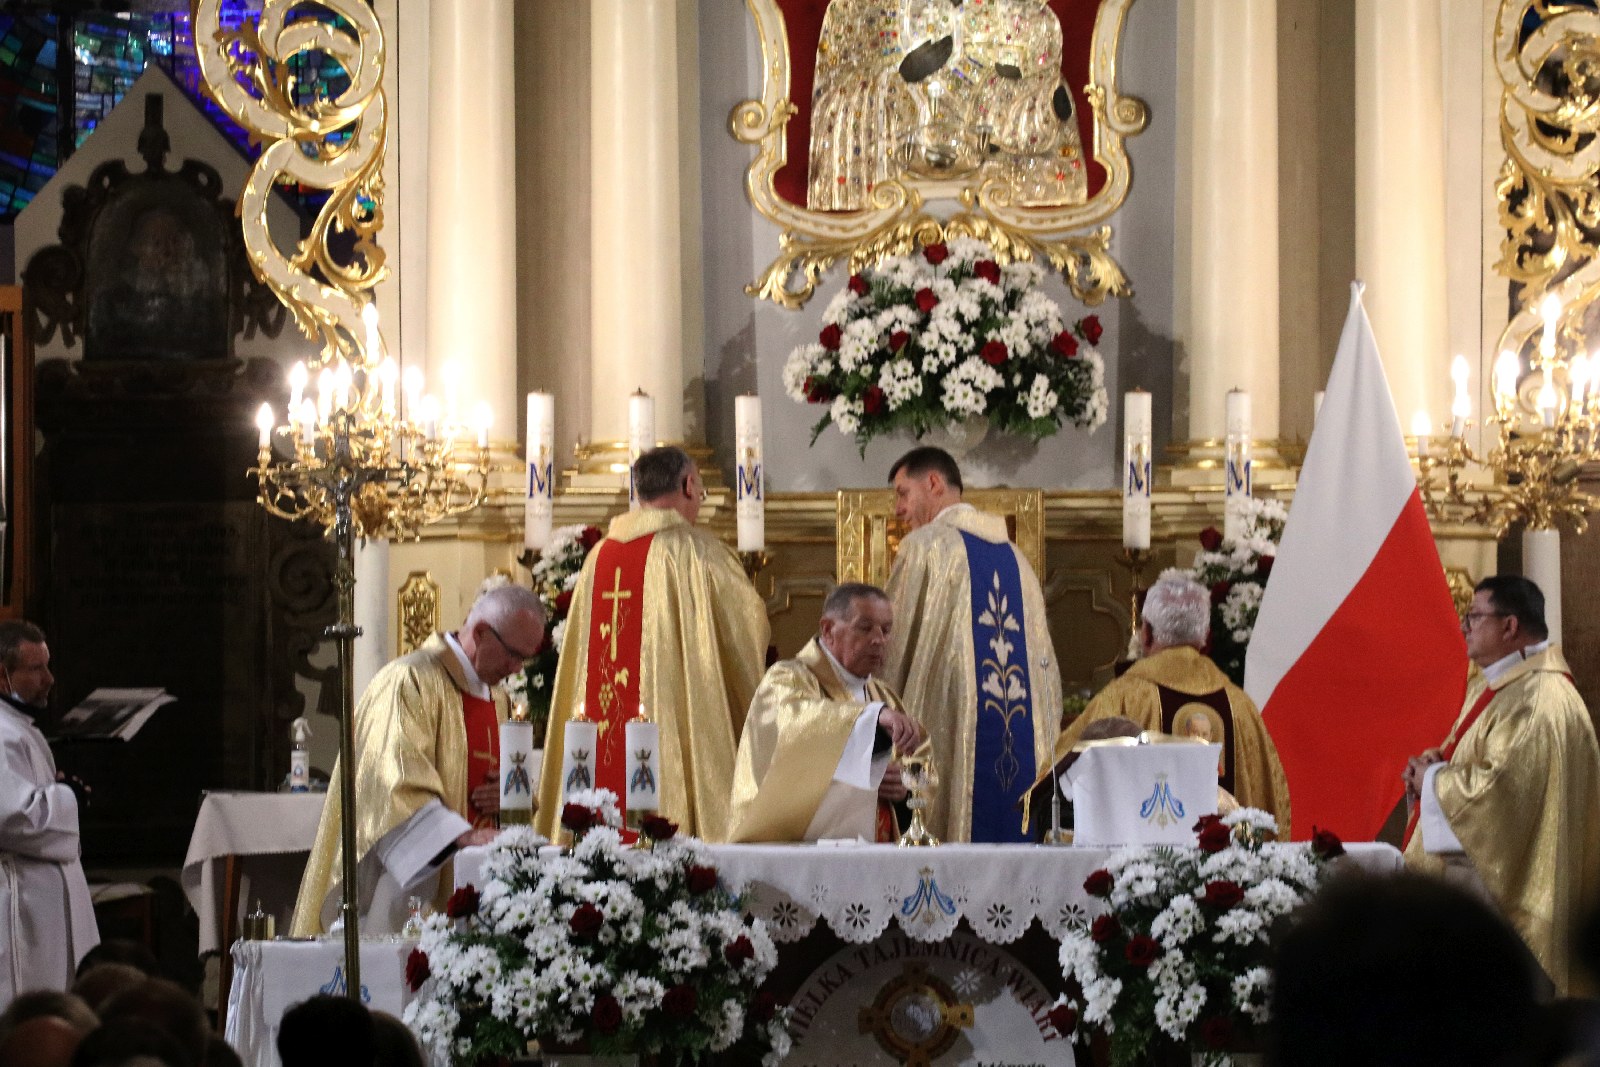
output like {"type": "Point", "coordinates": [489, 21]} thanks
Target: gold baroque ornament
{"type": "Point", "coordinates": [959, 112]}
{"type": "Point", "coordinates": [418, 607]}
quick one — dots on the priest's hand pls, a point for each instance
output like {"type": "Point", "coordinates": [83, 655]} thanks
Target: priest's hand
{"type": "Point", "coordinates": [904, 731]}
{"type": "Point", "coordinates": [892, 788]}
{"type": "Point", "coordinates": [486, 798]}
{"type": "Point", "coordinates": [1416, 770]}
{"type": "Point", "coordinates": [484, 835]}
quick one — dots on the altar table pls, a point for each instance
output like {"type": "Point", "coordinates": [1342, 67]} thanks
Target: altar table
{"type": "Point", "coordinates": [273, 976]}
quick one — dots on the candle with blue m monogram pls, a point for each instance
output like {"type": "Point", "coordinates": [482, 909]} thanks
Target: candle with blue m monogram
{"type": "Point", "coordinates": [751, 504]}
{"type": "Point", "coordinates": [1136, 470]}
{"type": "Point", "coordinates": [1236, 466]}
{"type": "Point", "coordinates": [539, 511]}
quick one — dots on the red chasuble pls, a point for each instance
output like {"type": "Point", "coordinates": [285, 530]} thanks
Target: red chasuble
{"type": "Point", "coordinates": [616, 614]}
{"type": "Point", "coordinates": [483, 751]}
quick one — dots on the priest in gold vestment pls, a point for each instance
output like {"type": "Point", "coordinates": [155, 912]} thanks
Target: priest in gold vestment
{"type": "Point", "coordinates": [663, 617]}
{"type": "Point", "coordinates": [814, 758]}
{"type": "Point", "coordinates": [971, 652]}
{"type": "Point", "coordinates": [1510, 804]}
{"type": "Point", "coordinates": [427, 755]}
{"type": "Point", "coordinates": [1174, 688]}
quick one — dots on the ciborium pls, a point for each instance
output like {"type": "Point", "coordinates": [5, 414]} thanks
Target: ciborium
{"type": "Point", "coordinates": [916, 771]}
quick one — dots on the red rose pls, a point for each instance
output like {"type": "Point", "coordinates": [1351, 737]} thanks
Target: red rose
{"type": "Point", "coordinates": [1217, 1031]}
{"type": "Point", "coordinates": [659, 828]}
{"type": "Point", "coordinates": [764, 1007]}
{"type": "Point", "coordinates": [898, 340]}
{"type": "Point", "coordinates": [1098, 884]}
{"type": "Point", "coordinates": [988, 270]}
{"type": "Point", "coordinates": [830, 337]}
{"type": "Point", "coordinates": [1064, 1019]}
{"type": "Point", "coordinates": [680, 1001]}
{"type": "Point", "coordinates": [563, 601]}
{"type": "Point", "coordinates": [462, 903]}
{"type": "Point", "coordinates": [1211, 539]}
{"type": "Point", "coordinates": [817, 391]}
{"type": "Point", "coordinates": [926, 300]}
{"type": "Point", "coordinates": [606, 1014]}
{"type": "Point", "coordinates": [590, 537]}
{"type": "Point", "coordinates": [1214, 837]}
{"type": "Point", "coordinates": [1205, 821]}
{"type": "Point", "coordinates": [577, 818]}
{"type": "Point", "coordinates": [739, 950]}
{"type": "Point", "coordinates": [702, 879]}
{"type": "Point", "coordinates": [1065, 344]}
{"type": "Point", "coordinates": [417, 970]}
{"type": "Point", "coordinates": [1264, 566]}
{"type": "Point", "coordinates": [859, 286]}
{"type": "Point", "coordinates": [873, 401]}
{"type": "Point", "coordinates": [586, 921]}
{"type": "Point", "coordinates": [994, 353]}
{"type": "Point", "coordinates": [1326, 844]}
{"type": "Point", "coordinates": [1091, 329]}
{"type": "Point", "coordinates": [1142, 950]}
{"type": "Point", "coordinates": [1222, 894]}
{"type": "Point", "coordinates": [936, 253]}
{"type": "Point", "coordinates": [1104, 929]}
{"type": "Point", "coordinates": [1219, 592]}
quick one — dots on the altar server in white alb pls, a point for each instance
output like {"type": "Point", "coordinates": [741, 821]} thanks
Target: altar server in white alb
{"type": "Point", "coordinates": [971, 652]}
{"type": "Point", "coordinates": [814, 758]}
{"type": "Point", "coordinates": [46, 917]}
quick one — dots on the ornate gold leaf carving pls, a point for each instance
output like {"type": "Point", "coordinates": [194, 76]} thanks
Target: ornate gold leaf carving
{"type": "Point", "coordinates": [869, 535]}
{"type": "Point", "coordinates": [418, 608]}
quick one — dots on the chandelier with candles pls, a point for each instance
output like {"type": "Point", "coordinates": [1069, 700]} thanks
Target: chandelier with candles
{"type": "Point", "coordinates": [1543, 428]}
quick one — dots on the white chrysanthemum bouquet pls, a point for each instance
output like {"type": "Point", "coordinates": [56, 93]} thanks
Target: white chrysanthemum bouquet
{"type": "Point", "coordinates": [947, 334]}
{"type": "Point", "coordinates": [604, 949]}
{"type": "Point", "coordinates": [555, 576]}
{"type": "Point", "coordinates": [1179, 957]}
{"type": "Point", "coordinates": [1236, 572]}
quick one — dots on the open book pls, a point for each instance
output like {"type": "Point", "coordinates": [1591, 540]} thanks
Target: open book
{"type": "Point", "coordinates": [112, 713]}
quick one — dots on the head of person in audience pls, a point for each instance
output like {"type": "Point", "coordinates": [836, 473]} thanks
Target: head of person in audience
{"type": "Point", "coordinates": [168, 1007]}
{"type": "Point", "coordinates": [855, 626]}
{"type": "Point", "coordinates": [926, 480]}
{"type": "Point", "coordinates": [42, 1041]}
{"type": "Point", "coordinates": [393, 1042]}
{"type": "Point", "coordinates": [103, 981]}
{"type": "Point", "coordinates": [1401, 970]}
{"type": "Point", "coordinates": [667, 478]}
{"type": "Point", "coordinates": [1177, 614]}
{"type": "Point", "coordinates": [124, 951]}
{"type": "Point", "coordinates": [47, 1003]}
{"type": "Point", "coordinates": [129, 1042]}
{"type": "Point", "coordinates": [503, 631]}
{"type": "Point", "coordinates": [327, 1030]}
{"type": "Point", "coordinates": [1506, 616]}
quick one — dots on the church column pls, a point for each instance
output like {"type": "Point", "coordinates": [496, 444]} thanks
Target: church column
{"type": "Point", "coordinates": [1228, 214]}
{"type": "Point", "coordinates": [645, 243]}
{"type": "Point", "coordinates": [1400, 198]}
{"type": "Point", "coordinates": [472, 267]}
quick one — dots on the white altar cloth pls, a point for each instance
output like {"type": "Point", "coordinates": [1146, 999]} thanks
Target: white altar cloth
{"type": "Point", "coordinates": [857, 891]}
{"type": "Point", "coordinates": [272, 976]}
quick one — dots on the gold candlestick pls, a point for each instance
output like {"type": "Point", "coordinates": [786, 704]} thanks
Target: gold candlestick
{"type": "Point", "coordinates": [1135, 560]}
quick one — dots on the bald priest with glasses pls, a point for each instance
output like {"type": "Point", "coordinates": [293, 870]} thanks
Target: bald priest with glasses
{"type": "Point", "coordinates": [427, 759]}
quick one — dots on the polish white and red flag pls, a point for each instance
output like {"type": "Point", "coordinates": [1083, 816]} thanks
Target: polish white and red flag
{"type": "Point", "coordinates": [1357, 660]}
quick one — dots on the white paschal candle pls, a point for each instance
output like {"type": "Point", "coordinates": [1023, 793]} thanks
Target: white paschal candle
{"type": "Point", "coordinates": [1136, 470]}
{"type": "Point", "coordinates": [751, 506]}
{"type": "Point", "coordinates": [641, 434]}
{"type": "Point", "coordinates": [581, 752]}
{"type": "Point", "coordinates": [538, 513]}
{"type": "Point", "coordinates": [519, 772]}
{"type": "Point", "coordinates": [1236, 465]}
{"type": "Point", "coordinates": [643, 786]}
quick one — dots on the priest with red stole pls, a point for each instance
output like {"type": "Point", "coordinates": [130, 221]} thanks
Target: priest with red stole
{"type": "Point", "coordinates": [427, 759]}
{"type": "Point", "coordinates": [664, 619]}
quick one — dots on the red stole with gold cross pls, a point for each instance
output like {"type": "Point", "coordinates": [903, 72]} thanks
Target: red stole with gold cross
{"type": "Point", "coordinates": [616, 615]}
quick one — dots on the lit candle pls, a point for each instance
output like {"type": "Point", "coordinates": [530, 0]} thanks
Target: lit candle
{"type": "Point", "coordinates": [264, 422]}
{"type": "Point", "coordinates": [519, 772]}
{"type": "Point", "coordinates": [387, 375]}
{"type": "Point", "coordinates": [369, 317]}
{"type": "Point", "coordinates": [1136, 469]}
{"type": "Point", "coordinates": [642, 738]}
{"type": "Point", "coordinates": [538, 512]}
{"type": "Point", "coordinates": [297, 384]}
{"type": "Point", "coordinates": [751, 500]}
{"type": "Point", "coordinates": [1316, 405]}
{"type": "Point", "coordinates": [580, 750]}
{"type": "Point", "coordinates": [1421, 427]}
{"type": "Point", "coordinates": [1461, 406]}
{"type": "Point", "coordinates": [1547, 402]}
{"type": "Point", "coordinates": [641, 434]}
{"type": "Point", "coordinates": [428, 410]}
{"type": "Point", "coordinates": [411, 386]}
{"type": "Point", "coordinates": [1237, 483]}
{"type": "Point", "coordinates": [1550, 311]}
{"type": "Point", "coordinates": [1506, 371]}
{"type": "Point", "coordinates": [482, 418]}
{"type": "Point", "coordinates": [308, 419]}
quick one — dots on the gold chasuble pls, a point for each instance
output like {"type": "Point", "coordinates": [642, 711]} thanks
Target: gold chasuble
{"type": "Point", "coordinates": [411, 748]}
{"type": "Point", "coordinates": [972, 658]}
{"type": "Point", "coordinates": [1522, 794]}
{"type": "Point", "coordinates": [701, 634]}
{"type": "Point", "coordinates": [1180, 691]}
{"type": "Point", "coordinates": [793, 739]}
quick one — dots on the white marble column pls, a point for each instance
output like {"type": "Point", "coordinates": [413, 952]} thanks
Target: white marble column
{"type": "Point", "coordinates": [472, 266]}
{"type": "Point", "coordinates": [1228, 211]}
{"type": "Point", "coordinates": [645, 240]}
{"type": "Point", "coordinates": [374, 596]}
{"type": "Point", "coordinates": [1400, 197]}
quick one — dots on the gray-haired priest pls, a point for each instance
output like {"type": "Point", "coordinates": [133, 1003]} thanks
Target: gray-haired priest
{"type": "Point", "coordinates": [814, 759]}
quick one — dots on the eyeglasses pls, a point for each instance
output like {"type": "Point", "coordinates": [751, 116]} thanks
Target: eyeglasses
{"type": "Point", "coordinates": [525, 657]}
{"type": "Point", "coordinates": [1473, 616]}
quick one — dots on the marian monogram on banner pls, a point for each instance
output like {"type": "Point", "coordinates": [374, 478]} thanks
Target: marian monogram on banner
{"type": "Point", "coordinates": [1161, 807]}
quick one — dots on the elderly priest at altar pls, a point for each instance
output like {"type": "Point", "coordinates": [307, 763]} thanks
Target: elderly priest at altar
{"type": "Point", "coordinates": [815, 754]}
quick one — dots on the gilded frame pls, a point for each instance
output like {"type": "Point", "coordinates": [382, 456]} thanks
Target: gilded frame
{"type": "Point", "coordinates": [868, 534]}
{"type": "Point", "coordinates": [1074, 239]}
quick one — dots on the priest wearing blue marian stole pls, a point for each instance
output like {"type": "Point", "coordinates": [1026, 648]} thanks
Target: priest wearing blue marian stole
{"type": "Point", "coordinates": [971, 651]}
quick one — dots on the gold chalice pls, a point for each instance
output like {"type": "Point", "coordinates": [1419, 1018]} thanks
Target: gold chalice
{"type": "Point", "coordinates": [917, 772]}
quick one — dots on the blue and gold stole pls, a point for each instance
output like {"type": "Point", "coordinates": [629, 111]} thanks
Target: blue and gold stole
{"type": "Point", "coordinates": [1002, 757]}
